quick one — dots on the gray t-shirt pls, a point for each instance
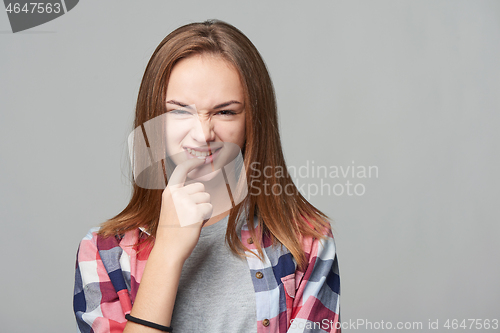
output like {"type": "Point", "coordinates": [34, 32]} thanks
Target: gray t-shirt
{"type": "Point", "coordinates": [215, 292]}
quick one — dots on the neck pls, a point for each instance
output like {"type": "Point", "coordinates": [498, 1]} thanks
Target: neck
{"type": "Point", "coordinates": [215, 219]}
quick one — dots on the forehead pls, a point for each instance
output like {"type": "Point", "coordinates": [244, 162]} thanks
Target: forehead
{"type": "Point", "coordinates": [204, 80]}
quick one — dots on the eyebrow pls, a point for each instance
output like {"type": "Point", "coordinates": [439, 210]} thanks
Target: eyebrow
{"type": "Point", "coordinates": [179, 104]}
{"type": "Point", "coordinates": [223, 105]}
{"type": "Point", "coordinates": [219, 106]}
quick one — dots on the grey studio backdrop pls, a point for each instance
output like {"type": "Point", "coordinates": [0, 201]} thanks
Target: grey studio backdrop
{"type": "Point", "coordinates": [409, 88]}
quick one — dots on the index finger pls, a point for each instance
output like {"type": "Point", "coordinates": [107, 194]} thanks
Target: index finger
{"type": "Point", "coordinates": [178, 177]}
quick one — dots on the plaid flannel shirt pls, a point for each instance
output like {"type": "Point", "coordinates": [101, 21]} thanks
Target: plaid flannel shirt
{"type": "Point", "coordinates": [109, 271]}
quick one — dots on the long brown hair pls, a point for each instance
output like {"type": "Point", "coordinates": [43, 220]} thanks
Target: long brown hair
{"type": "Point", "coordinates": [285, 215]}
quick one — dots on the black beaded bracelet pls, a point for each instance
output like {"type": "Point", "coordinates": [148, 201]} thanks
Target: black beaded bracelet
{"type": "Point", "coordinates": [148, 323]}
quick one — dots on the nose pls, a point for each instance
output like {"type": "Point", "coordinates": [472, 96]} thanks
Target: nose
{"type": "Point", "coordinates": [203, 130]}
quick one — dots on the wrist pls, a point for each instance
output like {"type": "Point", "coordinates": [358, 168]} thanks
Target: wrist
{"type": "Point", "coordinates": [169, 257]}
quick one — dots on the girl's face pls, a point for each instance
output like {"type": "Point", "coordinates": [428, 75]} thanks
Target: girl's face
{"type": "Point", "coordinates": [205, 113]}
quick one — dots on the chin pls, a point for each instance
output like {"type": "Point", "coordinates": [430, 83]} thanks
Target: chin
{"type": "Point", "coordinates": [200, 176]}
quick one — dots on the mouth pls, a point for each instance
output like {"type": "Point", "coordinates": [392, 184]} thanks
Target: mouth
{"type": "Point", "coordinates": [199, 153]}
{"type": "Point", "coordinates": [207, 153]}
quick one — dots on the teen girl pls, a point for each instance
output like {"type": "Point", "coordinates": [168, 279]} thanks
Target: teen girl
{"type": "Point", "coordinates": [212, 240]}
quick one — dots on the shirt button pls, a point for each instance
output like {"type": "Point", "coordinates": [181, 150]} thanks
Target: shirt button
{"type": "Point", "coordinates": [259, 275]}
{"type": "Point", "coordinates": [250, 240]}
{"type": "Point", "coordinates": [265, 322]}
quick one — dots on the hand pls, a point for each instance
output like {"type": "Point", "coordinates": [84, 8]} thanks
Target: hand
{"type": "Point", "coordinates": [184, 211]}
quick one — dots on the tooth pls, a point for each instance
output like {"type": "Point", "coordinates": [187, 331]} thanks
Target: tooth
{"type": "Point", "coordinates": [198, 153]}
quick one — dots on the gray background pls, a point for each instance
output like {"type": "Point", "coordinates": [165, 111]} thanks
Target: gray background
{"type": "Point", "coordinates": [408, 86]}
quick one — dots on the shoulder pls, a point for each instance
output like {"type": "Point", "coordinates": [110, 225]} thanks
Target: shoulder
{"type": "Point", "coordinates": [324, 247]}
{"type": "Point", "coordinates": [93, 243]}
{"type": "Point", "coordinates": [107, 259]}
{"type": "Point", "coordinates": [91, 235]}
{"type": "Point", "coordinates": [88, 245]}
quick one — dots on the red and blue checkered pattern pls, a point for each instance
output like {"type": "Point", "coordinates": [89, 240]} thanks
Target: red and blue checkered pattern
{"type": "Point", "coordinates": [109, 271]}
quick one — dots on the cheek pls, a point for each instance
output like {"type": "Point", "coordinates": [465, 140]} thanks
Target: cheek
{"type": "Point", "coordinates": [234, 133]}
{"type": "Point", "coordinates": [241, 135]}
{"type": "Point", "coordinates": [174, 134]}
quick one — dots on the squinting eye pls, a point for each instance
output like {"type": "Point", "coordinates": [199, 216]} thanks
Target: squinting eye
{"type": "Point", "coordinates": [226, 113]}
{"type": "Point", "coordinates": [180, 112]}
